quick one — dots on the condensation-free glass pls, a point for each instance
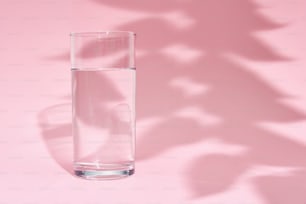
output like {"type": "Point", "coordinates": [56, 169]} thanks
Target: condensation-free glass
{"type": "Point", "coordinates": [103, 104]}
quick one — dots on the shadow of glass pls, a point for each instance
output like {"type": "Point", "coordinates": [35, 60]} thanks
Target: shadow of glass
{"type": "Point", "coordinates": [56, 132]}
{"type": "Point", "coordinates": [94, 94]}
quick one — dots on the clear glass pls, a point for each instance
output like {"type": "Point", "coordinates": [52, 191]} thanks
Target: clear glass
{"type": "Point", "coordinates": [103, 104]}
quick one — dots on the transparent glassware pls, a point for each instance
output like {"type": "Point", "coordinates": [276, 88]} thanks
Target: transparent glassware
{"type": "Point", "coordinates": [103, 104]}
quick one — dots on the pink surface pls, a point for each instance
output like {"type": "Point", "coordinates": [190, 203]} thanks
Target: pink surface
{"type": "Point", "coordinates": [220, 105]}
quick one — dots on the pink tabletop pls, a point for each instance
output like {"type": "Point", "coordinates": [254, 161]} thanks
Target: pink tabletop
{"type": "Point", "coordinates": [221, 94]}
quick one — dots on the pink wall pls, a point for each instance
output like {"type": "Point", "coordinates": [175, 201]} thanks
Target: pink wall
{"type": "Point", "coordinates": [220, 105]}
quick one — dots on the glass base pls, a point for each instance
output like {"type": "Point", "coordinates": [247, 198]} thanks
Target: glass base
{"type": "Point", "coordinates": [104, 172]}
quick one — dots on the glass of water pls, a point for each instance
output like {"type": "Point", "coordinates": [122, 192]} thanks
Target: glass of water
{"type": "Point", "coordinates": [103, 104]}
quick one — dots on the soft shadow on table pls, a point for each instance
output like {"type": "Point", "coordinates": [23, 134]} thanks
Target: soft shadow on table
{"type": "Point", "coordinates": [239, 97]}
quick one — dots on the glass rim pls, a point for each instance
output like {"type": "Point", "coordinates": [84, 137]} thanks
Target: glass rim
{"type": "Point", "coordinates": [105, 33]}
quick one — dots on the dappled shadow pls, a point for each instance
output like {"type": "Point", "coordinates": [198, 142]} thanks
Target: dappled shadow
{"type": "Point", "coordinates": [283, 189]}
{"type": "Point", "coordinates": [234, 94]}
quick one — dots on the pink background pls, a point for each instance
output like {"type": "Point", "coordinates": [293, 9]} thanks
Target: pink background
{"type": "Point", "coordinates": [221, 101]}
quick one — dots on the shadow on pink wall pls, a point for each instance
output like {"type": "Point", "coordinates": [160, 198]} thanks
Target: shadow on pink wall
{"type": "Point", "coordinates": [239, 97]}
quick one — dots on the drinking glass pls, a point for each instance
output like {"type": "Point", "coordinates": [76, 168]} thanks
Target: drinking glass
{"type": "Point", "coordinates": [103, 104]}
